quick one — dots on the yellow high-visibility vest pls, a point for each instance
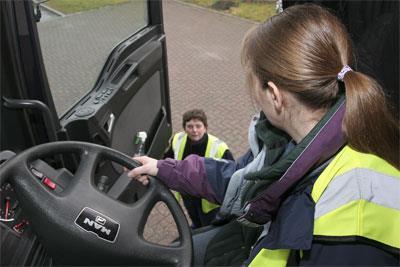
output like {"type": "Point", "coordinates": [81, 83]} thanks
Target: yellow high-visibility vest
{"type": "Point", "coordinates": [215, 149]}
{"type": "Point", "coordinates": [352, 195]}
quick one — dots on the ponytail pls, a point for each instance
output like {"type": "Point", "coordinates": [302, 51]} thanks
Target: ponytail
{"type": "Point", "coordinates": [368, 123]}
{"type": "Point", "coordinates": [313, 76]}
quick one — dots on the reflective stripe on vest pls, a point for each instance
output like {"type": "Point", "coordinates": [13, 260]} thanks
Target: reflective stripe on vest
{"type": "Point", "coordinates": [178, 144]}
{"type": "Point", "coordinates": [215, 149]}
{"type": "Point", "coordinates": [357, 194]}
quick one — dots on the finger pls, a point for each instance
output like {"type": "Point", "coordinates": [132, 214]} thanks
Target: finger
{"type": "Point", "coordinates": [137, 171]}
{"type": "Point", "coordinates": [141, 159]}
{"type": "Point", "coordinates": [143, 179]}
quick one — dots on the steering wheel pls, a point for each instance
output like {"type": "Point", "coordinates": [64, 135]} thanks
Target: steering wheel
{"type": "Point", "coordinates": [84, 226]}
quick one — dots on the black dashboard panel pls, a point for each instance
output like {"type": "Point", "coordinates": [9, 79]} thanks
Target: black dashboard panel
{"type": "Point", "coordinates": [19, 245]}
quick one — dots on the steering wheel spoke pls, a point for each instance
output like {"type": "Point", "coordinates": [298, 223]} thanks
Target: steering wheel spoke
{"type": "Point", "coordinates": [87, 165]}
{"type": "Point", "coordinates": [169, 255]}
{"type": "Point", "coordinates": [178, 252]}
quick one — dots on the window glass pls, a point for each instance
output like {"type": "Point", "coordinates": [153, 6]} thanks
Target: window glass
{"type": "Point", "coordinates": [76, 38]}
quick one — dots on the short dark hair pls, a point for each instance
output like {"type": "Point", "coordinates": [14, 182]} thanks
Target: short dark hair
{"type": "Point", "coordinates": [198, 114]}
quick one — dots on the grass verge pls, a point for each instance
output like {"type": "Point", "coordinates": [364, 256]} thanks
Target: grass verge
{"type": "Point", "coordinates": [73, 6]}
{"type": "Point", "coordinates": [257, 11]}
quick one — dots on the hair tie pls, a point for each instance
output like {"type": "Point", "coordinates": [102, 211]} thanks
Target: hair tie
{"type": "Point", "coordinates": [343, 72]}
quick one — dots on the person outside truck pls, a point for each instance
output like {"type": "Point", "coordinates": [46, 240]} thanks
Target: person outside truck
{"type": "Point", "coordinates": [320, 183]}
{"type": "Point", "coordinates": [196, 140]}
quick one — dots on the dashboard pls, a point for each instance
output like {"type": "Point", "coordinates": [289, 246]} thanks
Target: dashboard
{"type": "Point", "coordinates": [19, 244]}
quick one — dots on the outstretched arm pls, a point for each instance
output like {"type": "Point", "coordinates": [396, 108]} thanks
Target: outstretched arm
{"type": "Point", "coordinates": [197, 176]}
{"type": "Point", "coordinates": [187, 176]}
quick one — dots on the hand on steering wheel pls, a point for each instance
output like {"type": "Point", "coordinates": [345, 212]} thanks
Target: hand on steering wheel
{"type": "Point", "coordinates": [149, 167]}
{"type": "Point", "coordinates": [84, 226]}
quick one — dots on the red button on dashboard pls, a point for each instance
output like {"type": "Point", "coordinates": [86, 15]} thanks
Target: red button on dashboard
{"type": "Point", "coordinates": [49, 183]}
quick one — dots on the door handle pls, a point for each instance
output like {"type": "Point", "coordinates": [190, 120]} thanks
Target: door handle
{"type": "Point", "coordinates": [110, 123]}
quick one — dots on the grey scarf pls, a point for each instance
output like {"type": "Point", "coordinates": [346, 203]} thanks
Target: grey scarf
{"type": "Point", "coordinates": [232, 203]}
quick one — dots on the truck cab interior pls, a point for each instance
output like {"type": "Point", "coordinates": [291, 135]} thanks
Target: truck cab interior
{"type": "Point", "coordinates": [130, 95]}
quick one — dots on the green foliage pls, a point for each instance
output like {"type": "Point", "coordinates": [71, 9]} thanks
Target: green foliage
{"type": "Point", "coordinates": [203, 3]}
{"type": "Point", "coordinates": [73, 6]}
{"type": "Point", "coordinates": [257, 10]}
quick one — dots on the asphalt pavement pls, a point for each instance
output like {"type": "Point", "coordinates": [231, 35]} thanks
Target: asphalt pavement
{"type": "Point", "coordinates": [205, 70]}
